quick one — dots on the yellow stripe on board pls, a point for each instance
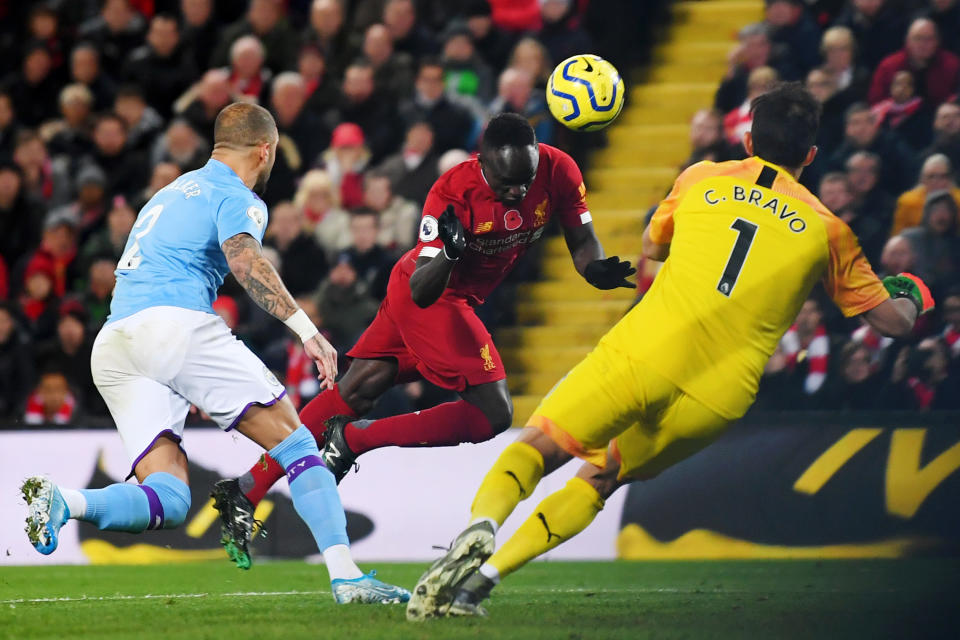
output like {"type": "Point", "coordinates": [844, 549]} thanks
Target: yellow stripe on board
{"type": "Point", "coordinates": [830, 461]}
{"type": "Point", "coordinates": [100, 552]}
{"type": "Point", "coordinates": [907, 483]}
{"type": "Point", "coordinates": [633, 543]}
{"type": "Point", "coordinates": [202, 521]}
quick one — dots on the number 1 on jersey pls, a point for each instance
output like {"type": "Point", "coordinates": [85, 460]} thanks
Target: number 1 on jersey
{"type": "Point", "coordinates": [746, 232]}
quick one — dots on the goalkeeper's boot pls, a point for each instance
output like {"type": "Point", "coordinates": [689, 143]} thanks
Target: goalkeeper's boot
{"type": "Point", "coordinates": [471, 593]}
{"type": "Point", "coordinates": [236, 521]}
{"type": "Point", "coordinates": [46, 513]}
{"type": "Point", "coordinates": [367, 590]}
{"type": "Point", "coordinates": [336, 454]}
{"type": "Point", "coordinates": [437, 587]}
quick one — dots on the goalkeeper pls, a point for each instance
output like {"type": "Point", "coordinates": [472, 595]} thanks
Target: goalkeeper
{"type": "Point", "coordinates": [743, 244]}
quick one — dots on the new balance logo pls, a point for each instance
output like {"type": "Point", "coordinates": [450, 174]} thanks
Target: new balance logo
{"type": "Point", "coordinates": [333, 452]}
{"type": "Point", "coordinates": [550, 534]}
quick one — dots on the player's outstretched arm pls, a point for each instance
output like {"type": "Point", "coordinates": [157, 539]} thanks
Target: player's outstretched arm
{"type": "Point", "coordinates": [263, 284]}
{"type": "Point", "coordinates": [431, 276]}
{"type": "Point", "coordinates": [588, 258]}
{"type": "Point", "coordinates": [909, 299]}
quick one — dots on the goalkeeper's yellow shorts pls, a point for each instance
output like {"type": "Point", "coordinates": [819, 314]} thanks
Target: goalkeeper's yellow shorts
{"type": "Point", "coordinates": [610, 403]}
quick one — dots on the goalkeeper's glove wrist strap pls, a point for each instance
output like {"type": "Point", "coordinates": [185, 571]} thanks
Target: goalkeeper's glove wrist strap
{"type": "Point", "coordinates": [906, 295]}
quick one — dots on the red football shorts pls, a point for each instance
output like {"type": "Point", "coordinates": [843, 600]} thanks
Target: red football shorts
{"type": "Point", "coordinates": [446, 343]}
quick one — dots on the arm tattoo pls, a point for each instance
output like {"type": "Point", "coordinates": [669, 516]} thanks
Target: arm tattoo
{"type": "Point", "coordinates": [257, 276]}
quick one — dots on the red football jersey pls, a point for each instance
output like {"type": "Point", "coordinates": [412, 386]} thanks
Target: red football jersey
{"type": "Point", "coordinates": [497, 236]}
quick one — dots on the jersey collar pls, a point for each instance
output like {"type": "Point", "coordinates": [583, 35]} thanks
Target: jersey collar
{"type": "Point", "coordinates": [218, 167]}
{"type": "Point", "coordinates": [780, 170]}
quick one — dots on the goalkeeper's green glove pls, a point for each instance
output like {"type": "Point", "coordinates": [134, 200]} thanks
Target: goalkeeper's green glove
{"type": "Point", "coordinates": [907, 285]}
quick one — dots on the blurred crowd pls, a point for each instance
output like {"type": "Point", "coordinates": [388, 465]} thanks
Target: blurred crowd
{"type": "Point", "coordinates": [887, 75]}
{"type": "Point", "coordinates": [104, 102]}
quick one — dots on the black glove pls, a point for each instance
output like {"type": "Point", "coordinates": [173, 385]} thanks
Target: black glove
{"type": "Point", "coordinates": [450, 230]}
{"type": "Point", "coordinates": [609, 273]}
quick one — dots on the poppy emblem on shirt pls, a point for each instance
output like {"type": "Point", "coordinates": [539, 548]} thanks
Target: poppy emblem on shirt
{"type": "Point", "coordinates": [512, 220]}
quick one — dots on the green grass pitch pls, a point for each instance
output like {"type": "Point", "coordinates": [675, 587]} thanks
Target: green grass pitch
{"type": "Point", "coordinates": [916, 598]}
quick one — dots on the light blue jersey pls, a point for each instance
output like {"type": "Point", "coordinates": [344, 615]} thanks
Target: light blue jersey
{"type": "Point", "coordinates": [173, 255]}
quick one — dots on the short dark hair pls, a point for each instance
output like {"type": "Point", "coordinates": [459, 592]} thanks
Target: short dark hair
{"type": "Point", "coordinates": [854, 109]}
{"type": "Point", "coordinates": [508, 130]}
{"type": "Point", "coordinates": [835, 176]}
{"type": "Point", "coordinates": [242, 124]}
{"type": "Point", "coordinates": [429, 61]}
{"type": "Point", "coordinates": [365, 211]}
{"type": "Point", "coordinates": [130, 91]}
{"type": "Point", "coordinates": [785, 123]}
{"type": "Point", "coordinates": [361, 62]}
{"type": "Point", "coordinates": [169, 16]}
{"type": "Point", "coordinates": [110, 115]}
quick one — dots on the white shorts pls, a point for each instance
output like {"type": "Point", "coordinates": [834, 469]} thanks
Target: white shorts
{"type": "Point", "coordinates": [151, 366]}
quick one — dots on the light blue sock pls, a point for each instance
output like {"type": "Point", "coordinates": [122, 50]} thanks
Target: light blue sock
{"type": "Point", "coordinates": [162, 501]}
{"type": "Point", "coordinates": [313, 488]}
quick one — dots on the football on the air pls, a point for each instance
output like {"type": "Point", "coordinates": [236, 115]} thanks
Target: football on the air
{"type": "Point", "coordinates": [585, 93]}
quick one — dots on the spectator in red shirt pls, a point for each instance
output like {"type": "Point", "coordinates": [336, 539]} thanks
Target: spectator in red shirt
{"type": "Point", "coordinates": [345, 162]}
{"type": "Point", "coordinates": [905, 113]}
{"type": "Point", "coordinates": [57, 250]}
{"type": "Point", "coordinates": [38, 303]}
{"type": "Point", "coordinates": [51, 402]}
{"type": "Point", "coordinates": [936, 69]}
{"type": "Point", "coordinates": [738, 121]}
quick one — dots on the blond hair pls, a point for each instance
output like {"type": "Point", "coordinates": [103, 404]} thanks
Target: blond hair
{"type": "Point", "coordinates": [312, 180]}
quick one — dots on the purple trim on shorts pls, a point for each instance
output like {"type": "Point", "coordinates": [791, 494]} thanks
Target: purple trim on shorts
{"type": "Point", "coordinates": [269, 403]}
{"type": "Point", "coordinates": [301, 465]}
{"type": "Point", "coordinates": [156, 507]}
{"type": "Point", "coordinates": [166, 432]}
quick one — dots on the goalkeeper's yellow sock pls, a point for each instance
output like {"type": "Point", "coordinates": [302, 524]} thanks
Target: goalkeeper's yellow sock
{"type": "Point", "coordinates": [512, 478]}
{"type": "Point", "coordinates": [558, 518]}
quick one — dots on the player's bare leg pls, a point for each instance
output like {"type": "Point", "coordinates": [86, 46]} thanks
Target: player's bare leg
{"type": "Point", "coordinates": [484, 411]}
{"type": "Point", "coordinates": [512, 479]}
{"type": "Point", "coordinates": [354, 395]}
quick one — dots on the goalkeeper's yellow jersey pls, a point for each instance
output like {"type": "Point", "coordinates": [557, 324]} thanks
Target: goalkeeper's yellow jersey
{"type": "Point", "coordinates": [747, 245]}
